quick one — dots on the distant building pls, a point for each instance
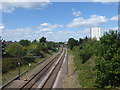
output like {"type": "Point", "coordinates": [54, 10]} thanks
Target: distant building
{"type": "Point", "coordinates": [95, 33]}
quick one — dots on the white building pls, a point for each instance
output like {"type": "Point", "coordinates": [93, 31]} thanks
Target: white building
{"type": "Point", "coordinates": [95, 33]}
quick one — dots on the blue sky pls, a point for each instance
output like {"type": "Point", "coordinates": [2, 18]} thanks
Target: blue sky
{"type": "Point", "coordinates": [57, 21]}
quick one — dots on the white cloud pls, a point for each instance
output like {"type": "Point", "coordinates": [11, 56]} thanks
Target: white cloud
{"type": "Point", "coordinates": [18, 34]}
{"type": "Point", "coordinates": [105, 1]}
{"type": "Point", "coordinates": [66, 34]}
{"type": "Point", "coordinates": [45, 24]}
{"type": "Point", "coordinates": [22, 33]}
{"type": "Point", "coordinates": [94, 20]}
{"type": "Point", "coordinates": [61, 35]}
{"type": "Point", "coordinates": [104, 30]}
{"type": "Point", "coordinates": [76, 13]}
{"type": "Point", "coordinates": [114, 28]}
{"type": "Point", "coordinates": [2, 26]}
{"type": "Point", "coordinates": [29, 33]}
{"type": "Point", "coordinates": [9, 7]}
{"type": "Point", "coordinates": [115, 18]}
{"type": "Point", "coordinates": [25, 0]}
{"type": "Point", "coordinates": [49, 27]}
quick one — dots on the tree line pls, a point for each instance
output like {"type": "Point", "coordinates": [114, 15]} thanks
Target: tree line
{"type": "Point", "coordinates": [105, 54]}
{"type": "Point", "coordinates": [26, 51]}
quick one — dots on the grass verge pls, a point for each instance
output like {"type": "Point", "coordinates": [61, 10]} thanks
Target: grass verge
{"type": "Point", "coordinates": [86, 71]}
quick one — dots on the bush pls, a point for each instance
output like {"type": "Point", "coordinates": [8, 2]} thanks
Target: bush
{"type": "Point", "coordinates": [107, 65]}
{"type": "Point", "coordinates": [25, 42]}
{"type": "Point", "coordinates": [86, 51]}
{"type": "Point", "coordinates": [8, 64]}
{"type": "Point", "coordinates": [72, 42]}
{"type": "Point", "coordinates": [106, 53]}
{"type": "Point", "coordinates": [13, 49]}
{"type": "Point", "coordinates": [27, 52]}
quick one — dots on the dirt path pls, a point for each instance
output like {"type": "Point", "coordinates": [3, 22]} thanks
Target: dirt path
{"type": "Point", "coordinates": [71, 80]}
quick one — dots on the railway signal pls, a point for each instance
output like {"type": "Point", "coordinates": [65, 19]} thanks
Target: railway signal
{"type": "Point", "coordinates": [18, 63]}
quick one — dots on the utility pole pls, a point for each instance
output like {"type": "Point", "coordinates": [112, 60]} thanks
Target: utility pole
{"type": "Point", "coordinates": [18, 63]}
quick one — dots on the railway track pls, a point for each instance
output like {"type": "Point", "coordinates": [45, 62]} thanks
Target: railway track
{"type": "Point", "coordinates": [46, 76]}
{"type": "Point", "coordinates": [49, 62]}
{"type": "Point", "coordinates": [38, 76]}
{"type": "Point", "coordinates": [52, 75]}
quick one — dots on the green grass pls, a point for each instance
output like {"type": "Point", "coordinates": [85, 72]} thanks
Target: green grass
{"type": "Point", "coordinates": [86, 72]}
{"type": "Point", "coordinates": [86, 75]}
{"type": "Point", "coordinates": [14, 72]}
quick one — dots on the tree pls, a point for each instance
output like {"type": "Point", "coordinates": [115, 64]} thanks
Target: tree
{"type": "Point", "coordinates": [34, 41]}
{"type": "Point", "coordinates": [13, 48]}
{"type": "Point", "coordinates": [24, 42]}
{"type": "Point", "coordinates": [86, 38]}
{"type": "Point", "coordinates": [108, 59]}
{"type": "Point", "coordinates": [40, 49]}
{"type": "Point", "coordinates": [72, 42]}
{"type": "Point", "coordinates": [51, 45]}
{"type": "Point", "coordinates": [42, 40]}
{"type": "Point", "coordinates": [80, 41]}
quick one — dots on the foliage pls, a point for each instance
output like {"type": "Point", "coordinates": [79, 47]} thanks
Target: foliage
{"type": "Point", "coordinates": [72, 42]}
{"type": "Point", "coordinates": [10, 63]}
{"type": "Point", "coordinates": [25, 42]}
{"type": "Point", "coordinates": [106, 53]}
{"type": "Point", "coordinates": [42, 40]}
{"type": "Point", "coordinates": [107, 67]}
{"type": "Point", "coordinates": [86, 74]}
{"type": "Point", "coordinates": [34, 41]}
{"type": "Point", "coordinates": [39, 49]}
{"type": "Point", "coordinates": [51, 45]}
{"type": "Point", "coordinates": [27, 51]}
{"type": "Point", "coordinates": [80, 41]}
{"type": "Point", "coordinates": [13, 49]}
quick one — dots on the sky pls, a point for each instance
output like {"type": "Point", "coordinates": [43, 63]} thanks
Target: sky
{"type": "Point", "coordinates": [57, 21]}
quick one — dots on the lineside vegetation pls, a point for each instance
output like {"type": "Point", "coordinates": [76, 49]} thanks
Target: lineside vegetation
{"type": "Point", "coordinates": [98, 62]}
{"type": "Point", "coordinates": [26, 51]}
